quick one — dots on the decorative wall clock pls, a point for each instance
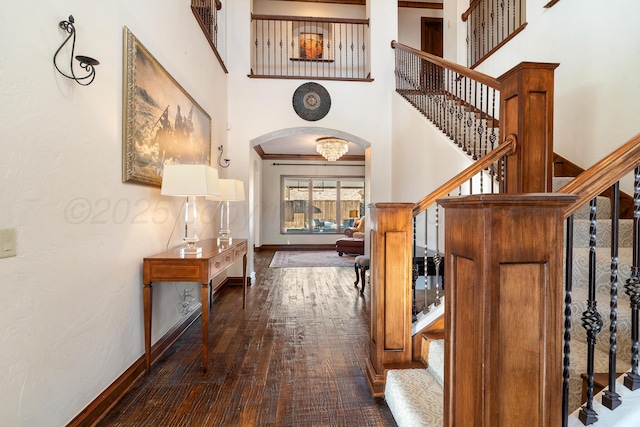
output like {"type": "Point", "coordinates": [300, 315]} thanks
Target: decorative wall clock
{"type": "Point", "coordinates": [311, 101]}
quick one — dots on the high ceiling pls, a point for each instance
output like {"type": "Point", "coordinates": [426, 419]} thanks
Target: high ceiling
{"type": "Point", "coordinates": [303, 147]}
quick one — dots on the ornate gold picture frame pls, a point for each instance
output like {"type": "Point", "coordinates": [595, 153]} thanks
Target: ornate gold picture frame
{"type": "Point", "coordinates": [161, 123]}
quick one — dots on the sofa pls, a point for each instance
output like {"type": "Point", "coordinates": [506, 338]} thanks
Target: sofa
{"type": "Point", "coordinates": [353, 243]}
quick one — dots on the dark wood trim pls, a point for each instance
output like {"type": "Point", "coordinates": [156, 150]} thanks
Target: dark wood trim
{"type": "Point", "coordinates": [419, 5]}
{"type": "Point", "coordinates": [343, 79]}
{"type": "Point", "coordinates": [310, 157]}
{"type": "Point", "coordinates": [101, 405]}
{"type": "Point", "coordinates": [499, 45]}
{"type": "Point", "coordinates": [472, 74]}
{"type": "Point", "coordinates": [356, 2]}
{"type": "Point", "coordinates": [551, 3]}
{"type": "Point", "coordinates": [260, 151]}
{"type": "Point", "coordinates": [564, 167]}
{"type": "Point", "coordinates": [206, 35]}
{"type": "Point", "coordinates": [299, 247]}
{"type": "Point", "coordinates": [308, 19]}
{"type": "Point", "coordinates": [311, 60]}
{"type": "Point", "coordinates": [472, 6]}
{"type": "Point", "coordinates": [413, 4]}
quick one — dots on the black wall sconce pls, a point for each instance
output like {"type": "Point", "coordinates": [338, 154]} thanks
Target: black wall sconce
{"type": "Point", "coordinates": [226, 161]}
{"type": "Point", "coordinates": [86, 63]}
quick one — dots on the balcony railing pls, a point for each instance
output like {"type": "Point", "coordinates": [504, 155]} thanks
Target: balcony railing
{"type": "Point", "coordinates": [490, 24]}
{"type": "Point", "coordinates": [310, 48]}
{"type": "Point", "coordinates": [206, 13]}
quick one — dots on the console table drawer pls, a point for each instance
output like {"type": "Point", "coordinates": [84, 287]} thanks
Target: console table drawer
{"type": "Point", "coordinates": [166, 272]}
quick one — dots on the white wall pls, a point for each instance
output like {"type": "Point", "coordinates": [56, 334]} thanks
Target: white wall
{"type": "Point", "coordinates": [360, 109]}
{"type": "Point", "coordinates": [410, 24]}
{"type": "Point", "coordinates": [597, 93]}
{"type": "Point", "coordinates": [423, 157]}
{"type": "Point", "coordinates": [71, 306]}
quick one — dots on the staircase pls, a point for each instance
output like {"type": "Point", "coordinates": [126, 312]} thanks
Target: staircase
{"type": "Point", "coordinates": [415, 396]}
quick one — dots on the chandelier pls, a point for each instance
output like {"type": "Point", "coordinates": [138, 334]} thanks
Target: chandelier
{"type": "Point", "coordinates": [331, 148]}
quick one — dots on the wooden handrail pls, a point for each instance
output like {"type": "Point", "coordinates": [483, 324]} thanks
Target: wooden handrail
{"type": "Point", "coordinates": [603, 174]}
{"type": "Point", "coordinates": [472, 6]}
{"type": "Point", "coordinates": [308, 19]}
{"type": "Point", "coordinates": [463, 71]}
{"type": "Point", "coordinates": [505, 148]}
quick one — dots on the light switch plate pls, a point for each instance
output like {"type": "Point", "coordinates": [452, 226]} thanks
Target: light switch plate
{"type": "Point", "coordinates": [7, 242]}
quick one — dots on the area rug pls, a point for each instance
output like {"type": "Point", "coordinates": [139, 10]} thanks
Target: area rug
{"type": "Point", "coordinates": [292, 259]}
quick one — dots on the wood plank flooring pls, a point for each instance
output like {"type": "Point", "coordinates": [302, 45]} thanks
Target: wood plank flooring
{"type": "Point", "coordinates": [294, 357]}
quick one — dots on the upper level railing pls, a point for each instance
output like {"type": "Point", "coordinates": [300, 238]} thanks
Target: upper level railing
{"type": "Point", "coordinates": [490, 24]}
{"type": "Point", "coordinates": [206, 13]}
{"type": "Point", "coordinates": [463, 103]}
{"type": "Point", "coordinates": [310, 48]}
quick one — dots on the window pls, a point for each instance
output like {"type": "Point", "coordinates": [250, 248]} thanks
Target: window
{"type": "Point", "coordinates": [313, 205]}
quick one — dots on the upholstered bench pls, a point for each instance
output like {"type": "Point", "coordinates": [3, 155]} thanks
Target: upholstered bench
{"type": "Point", "coordinates": [361, 265]}
{"type": "Point", "coordinates": [350, 245]}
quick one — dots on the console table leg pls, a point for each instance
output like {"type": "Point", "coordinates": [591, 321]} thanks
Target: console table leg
{"type": "Point", "coordinates": [244, 281]}
{"type": "Point", "coordinates": [205, 324]}
{"type": "Point", "coordinates": [146, 297]}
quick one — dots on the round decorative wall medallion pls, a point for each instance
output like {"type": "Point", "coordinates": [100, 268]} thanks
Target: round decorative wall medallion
{"type": "Point", "coordinates": [311, 101]}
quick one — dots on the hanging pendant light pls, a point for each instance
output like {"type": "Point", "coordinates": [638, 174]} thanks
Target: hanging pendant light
{"type": "Point", "coordinates": [331, 148]}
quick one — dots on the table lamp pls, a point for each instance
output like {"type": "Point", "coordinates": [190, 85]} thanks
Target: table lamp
{"type": "Point", "coordinates": [190, 181]}
{"type": "Point", "coordinates": [232, 190]}
{"type": "Point", "coordinates": [353, 214]}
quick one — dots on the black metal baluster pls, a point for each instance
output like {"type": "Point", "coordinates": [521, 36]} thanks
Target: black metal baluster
{"type": "Point", "coordinates": [426, 260]}
{"type": "Point", "coordinates": [469, 120]}
{"type": "Point", "coordinates": [568, 288]}
{"type": "Point", "coordinates": [437, 259]}
{"type": "Point", "coordinates": [493, 137]}
{"type": "Point", "coordinates": [591, 321]}
{"type": "Point", "coordinates": [414, 276]}
{"type": "Point", "coordinates": [610, 398]}
{"type": "Point", "coordinates": [632, 287]}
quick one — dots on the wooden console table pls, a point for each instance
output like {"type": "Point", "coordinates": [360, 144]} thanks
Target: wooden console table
{"type": "Point", "coordinates": [171, 266]}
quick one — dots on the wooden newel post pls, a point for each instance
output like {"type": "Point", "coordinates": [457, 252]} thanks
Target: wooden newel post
{"type": "Point", "coordinates": [504, 309]}
{"type": "Point", "coordinates": [526, 111]}
{"type": "Point", "coordinates": [390, 334]}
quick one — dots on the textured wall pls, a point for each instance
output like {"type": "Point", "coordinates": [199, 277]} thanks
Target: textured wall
{"type": "Point", "coordinates": [597, 95]}
{"type": "Point", "coordinates": [71, 306]}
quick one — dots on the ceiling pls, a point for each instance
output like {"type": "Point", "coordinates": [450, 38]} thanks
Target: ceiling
{"type": "Point", "coordinates": [302, 147]}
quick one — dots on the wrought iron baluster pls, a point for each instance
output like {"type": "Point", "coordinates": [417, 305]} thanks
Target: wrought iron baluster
{"type": "Point", "coordinates": [414, 276]}
{"type": "Point", "coordinates": [632, 287]}
{"type": "Point", "coordinates": [610, 398]}
{"type": "Point", "coordinates": [459, 113]}
{"type": "Point", "coordinates": [568, 284]}
{"type": "Point", "coordinates": [426, 259]}
{"type": "Point", "coordinates": [591, 321]}
{"type": "Point", "coordinates": [437, 258]}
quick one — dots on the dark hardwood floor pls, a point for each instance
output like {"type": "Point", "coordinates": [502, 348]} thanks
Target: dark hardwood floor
{"type": "Point", "coordinates": [294, 357]}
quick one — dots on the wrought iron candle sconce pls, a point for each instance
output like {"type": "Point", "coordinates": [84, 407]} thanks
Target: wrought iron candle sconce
{"type": "Point", "coordinates": [226, 161]}
{"type": "Point", "coordinates": [86, 63]}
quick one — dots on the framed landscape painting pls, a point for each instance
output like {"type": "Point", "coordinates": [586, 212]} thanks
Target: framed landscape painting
{"type": "Point", "coordinates": [162, 123]}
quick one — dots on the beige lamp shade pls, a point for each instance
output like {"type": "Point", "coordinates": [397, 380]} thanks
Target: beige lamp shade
{"type": "Point", "coordinates": [232, 190]}
{"type": "Point", "coordinates": [190, 180]}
